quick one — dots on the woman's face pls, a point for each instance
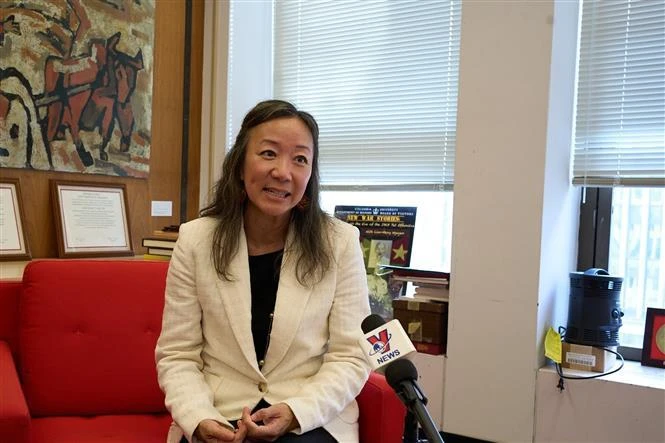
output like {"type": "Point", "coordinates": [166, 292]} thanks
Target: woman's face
{"type": "Point", "coordinates": [277, 167]}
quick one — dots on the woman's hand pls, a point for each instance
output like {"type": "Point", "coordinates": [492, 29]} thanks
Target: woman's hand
{"type": "Point", "coordinates": [269, 423]}
{"type": "Point", "coordinates": [211, 431]}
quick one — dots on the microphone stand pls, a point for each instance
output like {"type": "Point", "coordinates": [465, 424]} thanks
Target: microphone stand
{"type": "Point", "coordinates": [414, 400]}
{"type": "Point", "coordinates": [410, 428]}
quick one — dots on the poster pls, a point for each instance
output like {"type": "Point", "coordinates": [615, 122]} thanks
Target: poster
{"type": "Point", "coordinates": [386, 237]}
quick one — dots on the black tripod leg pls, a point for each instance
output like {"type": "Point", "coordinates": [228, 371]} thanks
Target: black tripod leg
{"type": "Point", "coordinates": [410, 428]}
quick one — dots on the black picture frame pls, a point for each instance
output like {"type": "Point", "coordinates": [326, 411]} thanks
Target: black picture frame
{"type": "Point", "coordinates": [653, 346]}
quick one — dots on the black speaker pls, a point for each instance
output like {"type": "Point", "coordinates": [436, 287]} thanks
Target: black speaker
{"type": "Point", "coordinates": [594, 311]}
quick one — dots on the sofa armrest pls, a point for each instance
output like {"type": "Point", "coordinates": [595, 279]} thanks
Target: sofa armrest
{"type": "Point", "coordinates": [14, 414]}
{"type": "Point", "coordinates": [10, 294]}
{"type": "Point", "coordinates": [381, 412]}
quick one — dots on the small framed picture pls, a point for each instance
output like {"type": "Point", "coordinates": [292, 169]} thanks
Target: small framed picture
{"type": "Point", "coordinates": [92, 219]}
{"type": "Point", "coordinates": [13, 243]}
{"type": "Point", "coordinates": [653, 347]}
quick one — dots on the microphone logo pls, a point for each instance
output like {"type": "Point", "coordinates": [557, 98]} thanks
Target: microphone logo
{"type": "Point", "coordinates": [380, 343]}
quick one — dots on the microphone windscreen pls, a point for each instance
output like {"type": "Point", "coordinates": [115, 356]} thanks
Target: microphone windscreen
{"type": "Point", "coordinates": [372, 322]}
{"type": "Point", "coordinates": [399, 371]}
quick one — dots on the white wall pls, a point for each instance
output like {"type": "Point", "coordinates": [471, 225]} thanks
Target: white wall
{"type": "Point", "coordinates": [214, 98]}
{"type": "Point", "coordinates": [231, 88]}
{"type": "Point", "coordinates": [250, 71]}
{"type": "Point", "coordinates": [602, 409]}
{"type": "Point", "coordinates": [560, 219]}
{"type": "Point", "coordinates": [513, 217]}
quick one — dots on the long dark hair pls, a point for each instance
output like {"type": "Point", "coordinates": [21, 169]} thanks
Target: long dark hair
{"type": "Point", "coordinates": [311, 243]}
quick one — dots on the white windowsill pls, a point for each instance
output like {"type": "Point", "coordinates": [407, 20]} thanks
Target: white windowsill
{"type": "Point", "coordinates": [632, 373]}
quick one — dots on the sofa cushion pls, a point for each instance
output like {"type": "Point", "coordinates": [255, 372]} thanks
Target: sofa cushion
{"type": "Point", "coordinates": [107, 429]}
{"type": "Point", "coordinates": [87, 335]}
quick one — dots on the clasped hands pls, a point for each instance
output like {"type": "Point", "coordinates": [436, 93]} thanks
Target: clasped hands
{"type": "Point", "coordinates": [266, 424]}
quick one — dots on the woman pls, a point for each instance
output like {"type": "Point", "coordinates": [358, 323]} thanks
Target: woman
{"type": "Point", "coordinates": [264, 299]}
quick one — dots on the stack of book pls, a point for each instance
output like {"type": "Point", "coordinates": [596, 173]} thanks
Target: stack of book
{"type": "Point", "coordinates": [427, 285]}
{"type": "Point", "coordinates": [423, 312]}
{"type": "Point", "coordinates": [160, 244]}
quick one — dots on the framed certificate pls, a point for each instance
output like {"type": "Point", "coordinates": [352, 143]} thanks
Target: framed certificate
{"type": "Point", "coordinates": [13, 244]}
{"type": "Point", "coordinates": [91, 219]}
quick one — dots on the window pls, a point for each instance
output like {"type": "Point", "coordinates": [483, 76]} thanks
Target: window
{"type": "Point", "coordinates": [636, 239]}
{"type": "Point", "coordinates": [620, 145]}
{"type": "Point", "coordinates": [381, 79]}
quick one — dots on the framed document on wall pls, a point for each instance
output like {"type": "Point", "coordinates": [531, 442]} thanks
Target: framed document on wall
{"type": "Point", "coordinates": [91, 219]}
{"type": "Point", "coordinates": [13, 244]}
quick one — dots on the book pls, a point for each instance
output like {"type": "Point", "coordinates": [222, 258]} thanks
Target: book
{"type": "Point", "coordinates": [403, 271]}
{"type": "Point", "coordinates": [386, 238]}
{"type": "Point", "coordinates": [153, 242]}
{"type": "Point", "coordinates": [160, 251]}
{"type": "Point", "coordinates": [165, 235]}
{"type": "Point", "coordinates": [436, 294]}
{"type": "Point", "coordinates": [422, 280]}
{"type": "Point", "coordinates": [155, 257]}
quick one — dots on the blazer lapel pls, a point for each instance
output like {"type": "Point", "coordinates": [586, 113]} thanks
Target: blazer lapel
{"type": "Point", "coordinates": [237, 299]}
{"type": "Point", "coordinates": [292, 300]}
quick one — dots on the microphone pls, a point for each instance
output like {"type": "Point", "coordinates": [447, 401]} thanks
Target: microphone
{"type": "Point", "coordinates": [401, 375]}
{"type": "Point", "coordinates": [383, 343]}
{"type": "Point", "coordinates": [387, 348]}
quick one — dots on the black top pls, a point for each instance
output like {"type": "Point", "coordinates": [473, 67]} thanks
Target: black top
{"type": "Point", "coordinates": [264, 279]}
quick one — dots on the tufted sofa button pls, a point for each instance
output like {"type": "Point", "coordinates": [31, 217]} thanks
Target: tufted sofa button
{"type": "Point", "coordinates": [263, 387]}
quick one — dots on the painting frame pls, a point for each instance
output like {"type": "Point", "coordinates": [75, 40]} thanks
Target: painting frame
{"type": "Point", "coordinates": [92, 219]}
{"type": "Point", "coordinates": [654, 330]}
{"type": "Point", "coordinates": [19, 248]}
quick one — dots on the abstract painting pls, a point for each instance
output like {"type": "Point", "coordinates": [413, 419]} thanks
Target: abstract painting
{"type": "Point", "coordinates": [76, 85]}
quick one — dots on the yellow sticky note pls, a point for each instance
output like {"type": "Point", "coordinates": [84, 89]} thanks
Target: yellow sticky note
{"type": "Point", "coordinates": [553, 345]}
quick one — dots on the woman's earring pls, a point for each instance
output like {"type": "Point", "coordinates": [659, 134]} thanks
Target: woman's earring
{"type": "Point", "coordinates": [303, 204]}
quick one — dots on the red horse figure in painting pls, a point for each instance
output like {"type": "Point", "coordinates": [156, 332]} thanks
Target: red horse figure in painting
{"type": "Point", "coordinates": [89, 92]}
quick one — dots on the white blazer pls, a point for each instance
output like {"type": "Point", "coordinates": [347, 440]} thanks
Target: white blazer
{"type": "Point", "coordinates": [205, 356]}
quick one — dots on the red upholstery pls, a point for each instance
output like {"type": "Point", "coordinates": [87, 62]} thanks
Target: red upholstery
{"type": "Point", "coordinates": [10, 290]}
{"type": "Point", "coordinates": [14, 415]}
{"type": "Point", "coordinates": [385, 423]}
{"type": "Point", "coordinates": [110, 429]}
{"type": "Point", "coordinates": [84, 333]}
{"type": "Point", "coordinates": [88, 331]}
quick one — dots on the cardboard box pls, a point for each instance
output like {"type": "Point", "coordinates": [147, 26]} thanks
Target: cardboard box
{"type": "Point", "coordinates": [426, 322]}
{"type": "Point", "coordinates": [586, 358]}
{"type": "Point", "coordinates": [429, 348]}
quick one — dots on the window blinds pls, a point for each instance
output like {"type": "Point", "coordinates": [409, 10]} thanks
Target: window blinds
{"type": "Point", "coordinates": [620, 122]}
{"type": "Point", "coordinates": [380, 78]}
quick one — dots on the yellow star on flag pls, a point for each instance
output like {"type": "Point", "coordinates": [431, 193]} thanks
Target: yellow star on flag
{"type": "Point", "coordinates": [400, 253]}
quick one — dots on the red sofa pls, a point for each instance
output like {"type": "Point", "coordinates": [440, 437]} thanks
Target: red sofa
{"type": "Point", "coordinates": [77, 341]}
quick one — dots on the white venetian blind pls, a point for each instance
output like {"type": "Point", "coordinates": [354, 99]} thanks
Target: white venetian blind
{"type": "Point", "coordinates": [380, 77]}
{"type": "Point", "coordinates": [620, 125]}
